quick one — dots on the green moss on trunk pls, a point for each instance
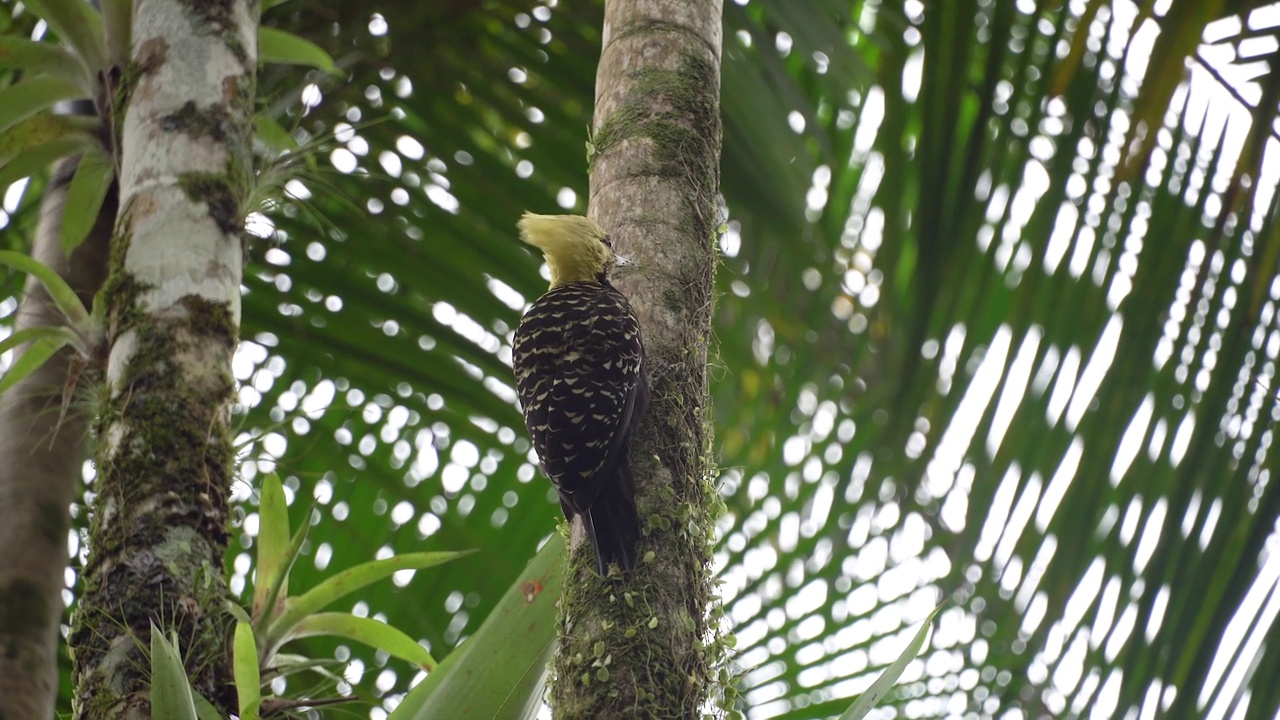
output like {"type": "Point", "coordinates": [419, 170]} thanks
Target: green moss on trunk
{"type": "Point", "coordinates": [216, 192]}
{"type": "Point", "coordinates": [672, 109]}
{"type": "Point", "coordinates": [641, 646]}
{"type": "Point", "coordinates": [165, 464]}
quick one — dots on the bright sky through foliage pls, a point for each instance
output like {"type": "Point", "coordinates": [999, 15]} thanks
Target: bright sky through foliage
{"type": "Point", "coordinates": [872, 563]}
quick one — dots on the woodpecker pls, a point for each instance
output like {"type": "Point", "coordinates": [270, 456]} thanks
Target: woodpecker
{"type": "Point", "coordinates": [579, 367]}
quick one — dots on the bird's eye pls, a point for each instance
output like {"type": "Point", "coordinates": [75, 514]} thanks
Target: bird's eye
{"type": "Point", "coordinates": [607, 242]}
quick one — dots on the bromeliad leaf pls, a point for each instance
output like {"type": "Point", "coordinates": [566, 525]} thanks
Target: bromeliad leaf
{"type": "Point", "coordinates": [278, 46]}
{"type": "Point", "coordinates": [63, 296]}
{"type": "Point", "coordinates": [170, 689]}
{"type": "Point", "coordinates": [45, 341]}
{"type": "Point", "coordinates": [79, 25]}
{"type": "Point", "coordinates": [32, 144]}
{"type": "Point", "coordinates": [32, 95]}
{"type": "Point", "coordinates": [368, 631]}
{"type": "Point", "coordinates": [248, 676]}
{"type": "Point", "coordinates": [62, 335]}
{"type": "Point", "coordinates": [270, 133]}
{"type": "Point", "coordinates": [286, 664]}
{"type": "Point", "coordinates": [348, 581]}
{"type": "Point", "coordinates": [35, 58]}
{"type": "Point", "coordinates": [272, 606]}
{"type": "Point", "coordinates": [205, 709]}
{"type": "Point", "coordinates": [867, 700]}
{"type": "Point", "coordinates": [273, 545]}
{"type": "Point", "coordinates": [499, 671]}
{"type": "Point", "coordinates": [40, 157]}
{"type": "Point", "coordinates": [117, 30]}
{"type": "Point", "coordinates": [237, 612]}
{"type": "Point", "coordinates": [88, 190]}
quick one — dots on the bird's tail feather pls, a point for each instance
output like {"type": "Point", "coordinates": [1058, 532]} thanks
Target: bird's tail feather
{"type": "Point", "coordinates": [612, 524]}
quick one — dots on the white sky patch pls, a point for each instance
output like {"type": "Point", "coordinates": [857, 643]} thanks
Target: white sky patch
{"type": "Point", "coordinates": [955, 509]}
{"type": "Point", "coordinates": [566, 198]}
{"type": "Point", "coordinates": [881, 559]}
{"type": "Point", "coordinates": [731, 239]}
{"type": "Point", "coordinates": [1250, 624]}
{"type": "Point", "coordinates": [1015, 388]}
{"type": "Point", "coordinates": [391, 163]}
{"type": "Point", "coordinates": [950, 355]}
{"type": "Point", "coordinates": [959, 433]}
{"type": "Point", "coordinates": [1070, 668]}
{"type": "Point", "coordinates": [872, 232]}
{"type": "Point", "coordinates": [869, 119]}
{"type": "Point", "coordinates": [410, 148]}
{"type": "Point", "coordinates": [1048, 547]}
{"type": "Point", "coordinates": [1057, 488]}
{"type": "Point", "coordinates": [505, 293]}
{"type": "Point", "coordinates": [441, 197]}
{"type": "Point", "coordinates": [912, 71]}
{"type": "Point", "coordinates": [1063, 386]}
{"type": "Point", "coordinates": [1082, 598]}
{"type": "Point", "coordinates": [997, 514]}
{"type": "Point", "coordinates": [1121, 285]}
{"type": "Point", "coordinates": [1121, 632]}
{"type": "Point", "coordinates": [259, 225]}
{"type": "Point", "coordinates": [318, 400]}
{"type": "Point", "coordinates": [1083, 250]}
{"type": "Point", "coordinates": [1131, 441]}
{"type": "Point", "coordinates": [453, 478]}
{"type": "Point", "coordinates": [13, 195]}
{"type": "Point", "coordinates": [1035, 183]}
{"type": "Point", "coordinates": [1157, 613]}
{"type": "Point", "coordinates": [1182, 439]}
{"type": "Point", "coordinates": [311, 95]}
{"type": "Point", "coordinates": [1143, 38]}
{"type": "Point", "coordinates": [1129, 526]}
{"type": "Point", "coordinates": [1018, 519]}
{"type": "Point", "coordinates": [996, 205]}
{"type": "Point", "coordinates": [796, 121]}
{"type": "Point", "coordinates": [343, 160]}
{"type": "Point", "coordinates": [1150, 536]}
{"type": "Point", "coordinates": [249, 355]}
{"type": "Point", "coordinates": [1095, 372]}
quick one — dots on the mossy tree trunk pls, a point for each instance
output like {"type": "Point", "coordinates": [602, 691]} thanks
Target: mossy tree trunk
{"type": "Point", "coordinates": [43, 445]}
{"type": "Point", "coordinates": [641, 647]}
{"type": "Point", "coordinates": [164, 459]}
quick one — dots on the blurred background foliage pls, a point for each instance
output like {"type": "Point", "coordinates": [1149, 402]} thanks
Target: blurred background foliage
{"type": "Point", "coordinates": [996, 322]}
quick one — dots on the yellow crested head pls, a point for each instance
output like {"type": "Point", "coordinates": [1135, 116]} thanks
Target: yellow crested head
{"type": "Point", "coordinates": [576, 248]}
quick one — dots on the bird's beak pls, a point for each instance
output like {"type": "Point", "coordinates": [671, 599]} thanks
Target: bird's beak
{"type": "Point", "coordinates": [623, 261]}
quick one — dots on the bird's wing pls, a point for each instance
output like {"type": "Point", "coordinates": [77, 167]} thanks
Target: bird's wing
{"type": "Point", "coordinates": [579, 401]}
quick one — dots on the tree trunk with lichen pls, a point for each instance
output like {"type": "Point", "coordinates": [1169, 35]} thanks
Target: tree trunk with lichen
{"type": "Point", "coordinates": [158, 530]}
{"type": "Point", "coordinates": [643, 647]}
{"type": "Point", "coordinates": [43, 439]}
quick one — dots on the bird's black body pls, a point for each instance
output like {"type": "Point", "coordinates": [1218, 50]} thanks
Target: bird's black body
{"type": "Point", "coordinates": [579, 367]}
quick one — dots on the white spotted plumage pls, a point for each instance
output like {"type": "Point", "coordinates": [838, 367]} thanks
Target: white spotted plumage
{"type": "Point", "coordinates": [578, 359]}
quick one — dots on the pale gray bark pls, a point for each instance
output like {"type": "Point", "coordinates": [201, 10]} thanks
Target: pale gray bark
{"type": "Point", "coordinates": [654, 188]}
{"type": "Point", "coordinates": [41, 454]}
{"type": "Point", "coordinates": [164, 456]}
